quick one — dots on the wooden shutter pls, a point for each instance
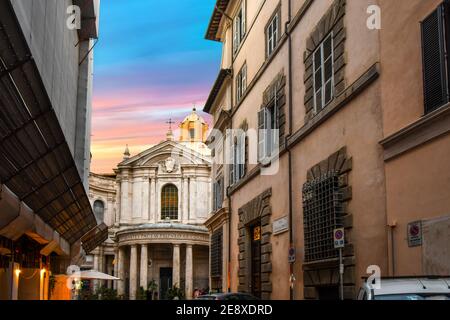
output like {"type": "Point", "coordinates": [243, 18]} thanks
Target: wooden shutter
{"type": "Point", "coordinates": [434, 60]}
{"type": "Point", "coordinates": [241, 146]}
{"type": "Point", "coordinates": [261, 135]}
{"type": "Point", "coordinates": [236, 35]}
{"type": "Point", "coordinates": [231, 160]}
{"type": "Point", "coordinates": [244, 18]}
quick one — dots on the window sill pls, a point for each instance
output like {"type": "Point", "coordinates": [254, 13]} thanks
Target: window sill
{"type": "Point", "coordinates": [431, 126]}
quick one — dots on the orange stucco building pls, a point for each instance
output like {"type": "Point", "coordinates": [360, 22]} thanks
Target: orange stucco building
{"type": "Point", "coordinates": [337, 104]}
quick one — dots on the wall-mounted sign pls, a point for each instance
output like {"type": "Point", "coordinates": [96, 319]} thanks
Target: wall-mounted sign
{"type": "Point", "coordinates": [415, 234]}
{"type": "Point", "coordinates": [339, 238]}
{"type": "Point", "coordinates": [280, 226]}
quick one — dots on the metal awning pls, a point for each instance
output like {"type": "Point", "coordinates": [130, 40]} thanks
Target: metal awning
{"type": "Point", "coordinates": [94, 238]}
{"type": "Point", "coordinates": [35, 160]}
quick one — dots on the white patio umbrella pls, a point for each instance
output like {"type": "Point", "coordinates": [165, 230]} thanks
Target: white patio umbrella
{"type": "Point", "coordinates": [93, 275]}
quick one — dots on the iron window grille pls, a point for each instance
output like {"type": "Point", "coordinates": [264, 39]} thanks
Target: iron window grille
{"type": "Point", "coordinates": [323, 63]}
{"type": "Point", "coordinates": [169, 202]}
{"type": "Point", "coordinates": [216, 254]}
{"type": "Point", "coordinates": [322, 213]}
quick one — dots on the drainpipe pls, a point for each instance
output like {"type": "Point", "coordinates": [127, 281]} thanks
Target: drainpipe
{"type": "Point", "coordinates": [291, 233]}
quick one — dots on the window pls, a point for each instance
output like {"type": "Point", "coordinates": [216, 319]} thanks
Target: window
{"type": "Point", "coordinates": [216, 259]}
{"type": "Point", "coordinates": [322, 212]}
{"type": "Point", "coordinates": [241, 83]}
{"type": "Point", "coordinates": [192, 133]}
{"type": "Point", "coordinates": [268, 143]}
{"type": "Point", "coordinates": [436, 45]}
{"type": "Point", "coordinates": [240, 26]}
{"type": "Point", "coordinates": [272, 34]}
{"type": "Point", "coordinates": [323, 74]}
{"type": "Point", "coordinates": [169, 202]}
{"type": "Point", "coordinates": [238, 149]}
{"type": "Point", "coordinates": [99, 211]}
{"type": "Point", "coordinates": [218, 194]}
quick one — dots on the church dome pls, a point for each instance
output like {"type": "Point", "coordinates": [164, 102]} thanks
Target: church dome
{"type": "Point", "coordinates": [194, 117]}
{"type": "Point", "coordinates": [193, 128]}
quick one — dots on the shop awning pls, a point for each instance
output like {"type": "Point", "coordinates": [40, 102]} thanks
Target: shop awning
{"type": "Point", "coordinates": [35, 160]}
{"type": "Point", "coordinates": [93, 275]}
{"type": "Point", "coordinates": [94, 238]}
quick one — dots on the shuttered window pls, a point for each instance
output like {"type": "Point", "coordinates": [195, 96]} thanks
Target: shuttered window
{"type": "Point", "coordinates": [323, 74]}
{"type": "Point", "coordinates": [216, 254]}
{"type": "Point", "coordinates": [435, 42]}
{"type": "Point", "coordinates": [240, 26]}
{"type": "Point", "coordinates": [268, 125]}
{"type": "Point", "coordinates": [218, 194]}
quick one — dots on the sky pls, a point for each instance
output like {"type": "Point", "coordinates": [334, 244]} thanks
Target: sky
{"type": "Point", "coordinates": [152, 64]}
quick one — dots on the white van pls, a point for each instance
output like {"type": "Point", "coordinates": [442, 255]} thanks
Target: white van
{"type": "Point", "coordinates": [407, 288]}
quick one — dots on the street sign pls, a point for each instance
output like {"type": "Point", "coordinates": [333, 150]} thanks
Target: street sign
{"type": "Point", "coordinates": [339, 238]}
{"type": "Point", "coordinates": [291, 257]}
{"type": "Point", "coordinates": [415, 234]}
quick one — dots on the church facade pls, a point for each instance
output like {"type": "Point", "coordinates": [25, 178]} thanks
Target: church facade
{"type": "Point", "coordinates": [155, 205]}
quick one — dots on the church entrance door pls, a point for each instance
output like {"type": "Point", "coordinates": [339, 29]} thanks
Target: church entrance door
{"type": "Point", "coordinates": [165, 282]}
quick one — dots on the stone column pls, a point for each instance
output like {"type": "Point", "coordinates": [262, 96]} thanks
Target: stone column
{"type": "Point", "coordinates": [153, 202]}
{"type": "Point", "coordinates": [185, 208]}
{"type": "Point", "coordinates": [176, 265]}
{"type": "Point", "coordinates": [96, 268]}
{"type": "Point", "coordinates": [125, 213]}
{"type": "Point", "coordinates": [146, 199]}
{"type": "Point", "coordinates": [144, 266]}
{"type": "Point", "coordinates": [116, 268]}
{"type": "Point", "coordinates": [121, 271]}
{"type": "Point", "coordinates": [133, 272]}
{"type": "Point", "coordinates": [189, 272]}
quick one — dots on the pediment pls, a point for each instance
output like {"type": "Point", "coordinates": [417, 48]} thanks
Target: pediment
{"type": "Point", "coordinates": [167, 154]}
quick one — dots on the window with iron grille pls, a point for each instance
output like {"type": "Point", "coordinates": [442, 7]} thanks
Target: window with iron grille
{"type": "Point", "coordinates": [322, 213]}
{"type": "Point", "coordinates": [216, 254]}
{"type": "Point", "coordinates": [436, 47]}
{"type": "Point", "coordinates": [169, 202]}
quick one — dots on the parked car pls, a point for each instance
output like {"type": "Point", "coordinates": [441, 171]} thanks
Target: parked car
{"type": "Point", "coordinates": [227, 296]}
{"type": "Point", "coordinates": [407, 288]}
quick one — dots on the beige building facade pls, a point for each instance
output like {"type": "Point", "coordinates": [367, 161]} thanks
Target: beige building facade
{"type": "Point", "coordinates": [319, 82]}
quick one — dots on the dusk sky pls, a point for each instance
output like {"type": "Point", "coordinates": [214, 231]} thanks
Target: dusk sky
{"type": "Point", "coordinates": [152, 63]}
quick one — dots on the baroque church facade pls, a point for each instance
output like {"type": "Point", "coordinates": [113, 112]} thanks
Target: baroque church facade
{"type": "Point", "coordinates": [155, 205]}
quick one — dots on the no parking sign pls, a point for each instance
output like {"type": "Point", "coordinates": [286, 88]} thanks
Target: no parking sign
{"type": "Point", "coordinates": [339, 238]}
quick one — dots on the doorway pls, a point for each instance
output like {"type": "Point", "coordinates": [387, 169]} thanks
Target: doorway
{"type": "Point", "coordinates": [165, 282]}
{"type": "Point", "coordinates": [329, 293]}
{"type": "Point", "coordinates": [256, 260]}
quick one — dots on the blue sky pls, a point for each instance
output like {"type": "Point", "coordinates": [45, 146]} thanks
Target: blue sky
{"type": "Point", "coordinates": [152, 63]}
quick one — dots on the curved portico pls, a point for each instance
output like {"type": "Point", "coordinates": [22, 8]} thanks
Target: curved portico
{"type": "Point", "coordinates": [141, 257]}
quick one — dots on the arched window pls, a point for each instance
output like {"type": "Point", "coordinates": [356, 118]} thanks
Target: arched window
{"type": "Point", "coordinates": [99, 211]}
{"type": "Point", "coordinates": [169, 202]}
